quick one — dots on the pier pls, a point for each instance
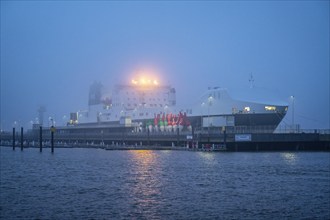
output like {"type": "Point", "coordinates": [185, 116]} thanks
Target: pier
{"type": "Point", "coordinates": [197, 140]}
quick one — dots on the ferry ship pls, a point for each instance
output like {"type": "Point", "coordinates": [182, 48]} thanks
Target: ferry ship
{"type": "Point", "coordinates": [151, 106]}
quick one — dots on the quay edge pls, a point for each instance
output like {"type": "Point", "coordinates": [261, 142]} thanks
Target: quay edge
{"type": "Point", "coordinates": [230, 142]}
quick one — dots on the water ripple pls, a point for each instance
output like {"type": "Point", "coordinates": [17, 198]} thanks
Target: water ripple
{"type": "Point", "coordinates": [98, 184]}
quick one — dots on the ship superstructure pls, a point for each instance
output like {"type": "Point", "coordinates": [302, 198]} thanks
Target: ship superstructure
{"type": "Point", "coordinates": [139, 100]}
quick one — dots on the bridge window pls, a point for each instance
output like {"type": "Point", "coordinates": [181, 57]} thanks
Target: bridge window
{"type": "Point", "coordinates": [270, 108]}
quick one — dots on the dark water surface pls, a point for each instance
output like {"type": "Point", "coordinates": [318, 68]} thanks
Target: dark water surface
{"type": "Point", "coordinates": [98, 184]}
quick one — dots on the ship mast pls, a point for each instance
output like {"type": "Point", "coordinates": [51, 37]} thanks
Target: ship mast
{"type": "Point", "coordinates": [251, 81]}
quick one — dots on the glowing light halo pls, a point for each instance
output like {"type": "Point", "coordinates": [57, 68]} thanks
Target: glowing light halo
{"type": "Point", "coordinates": [145, 77]}
{"type": "Point", "coordinates": [145, 81]}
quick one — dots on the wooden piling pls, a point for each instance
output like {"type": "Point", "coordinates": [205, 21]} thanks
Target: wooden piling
{"type": "Point", "coordinates": [21, 138]}
{"type": "Point", "coordinates": [14, 138]}
{"type": "Point", "coordinates": [52, 140]}
{"type": "Point", "coordinates": [224, 138]}
{"type": "Point", "coordinates": [40, 138]}
{"type": "Point", "coordinates": [148, 136]}
{"type": "Point", "coordinates": [178, 136]}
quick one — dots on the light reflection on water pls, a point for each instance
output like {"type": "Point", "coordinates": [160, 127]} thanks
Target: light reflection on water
{"type": "Point", "coordinates": [144, 184]}
{"type": "Point", "coordinates": [208, 158]}
{"type": "Point", "coordinates": [98, 184]}
{"type": "Point", "coordinates": [289, 157]}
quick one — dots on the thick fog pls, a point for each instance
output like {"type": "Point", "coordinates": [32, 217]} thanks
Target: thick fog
{"type": "Point", "coordinates": [51, 52]}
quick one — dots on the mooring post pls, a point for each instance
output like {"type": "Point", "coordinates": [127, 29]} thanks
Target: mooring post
{"type": "Point", "coordinates": [40, 138]}
{"type": "Point", "coordinates": [148, 136]}
{"type": "Point", "coordinates": [178, 136]}
{"type": "Point", "coordinates": [224, 137]}
{"type": "Point", "coordinates": [52, 138]}
{"type": "Point", "coordinates": [21, 138]}
{"type": "Point", "coordinates": [13, 138]}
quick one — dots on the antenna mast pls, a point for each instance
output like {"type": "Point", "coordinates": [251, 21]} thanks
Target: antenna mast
{"type": "Point", "coordinates": [251, 81]}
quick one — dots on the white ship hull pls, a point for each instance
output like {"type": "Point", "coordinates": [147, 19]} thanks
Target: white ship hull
{"type": "Point", "coordinates": [216, 108]}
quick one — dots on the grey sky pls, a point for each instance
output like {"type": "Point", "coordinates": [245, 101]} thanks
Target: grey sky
{"type": "Point", "coordinates": [52, 51]}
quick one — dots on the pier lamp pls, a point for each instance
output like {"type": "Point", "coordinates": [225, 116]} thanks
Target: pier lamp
{"type": "Point", "coordinates": [210, 99]}
{"type": "Point", "coordinates": [16, 124]}
{"type": "Point", "coordinates": [202, 106]}
{"type": "Point", "coordinates": [292, 99]}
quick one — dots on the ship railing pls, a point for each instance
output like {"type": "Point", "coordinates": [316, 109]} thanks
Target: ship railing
{"type": "Point", "coordinates": [90, 135]}
{"type": "Point", "coordinates": [259, 130]}
{"type": "Point", "coordinates": [236, 129]}
{"type": "Point", "coordinates": [251, 129]}
{"type": "Point", "coordinates": [303, 131]}
{"type": "Point", "coordinates": [210, 132]}
{"type": "Point", "coordinates": [159, 133]}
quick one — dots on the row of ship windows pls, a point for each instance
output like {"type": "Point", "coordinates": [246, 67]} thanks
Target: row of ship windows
{"type": "Point", "coordinates": [145, 93]}
{"type": "Point", "coordinates": [133, 93]}
{"type": "Point", "coordinates": [116, 116]}
{"type": "Point", "coordinates": [144, 96]}
{"type": "Point", "coordinates": [134, 99]}
{"type": "Point", "coordinates": [136, 105]}
{"type": "Point", "coordinates": [188, 111]}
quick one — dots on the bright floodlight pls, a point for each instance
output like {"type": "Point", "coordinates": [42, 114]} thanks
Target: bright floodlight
{"type": "Point", "coordinates": [143, 81]}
